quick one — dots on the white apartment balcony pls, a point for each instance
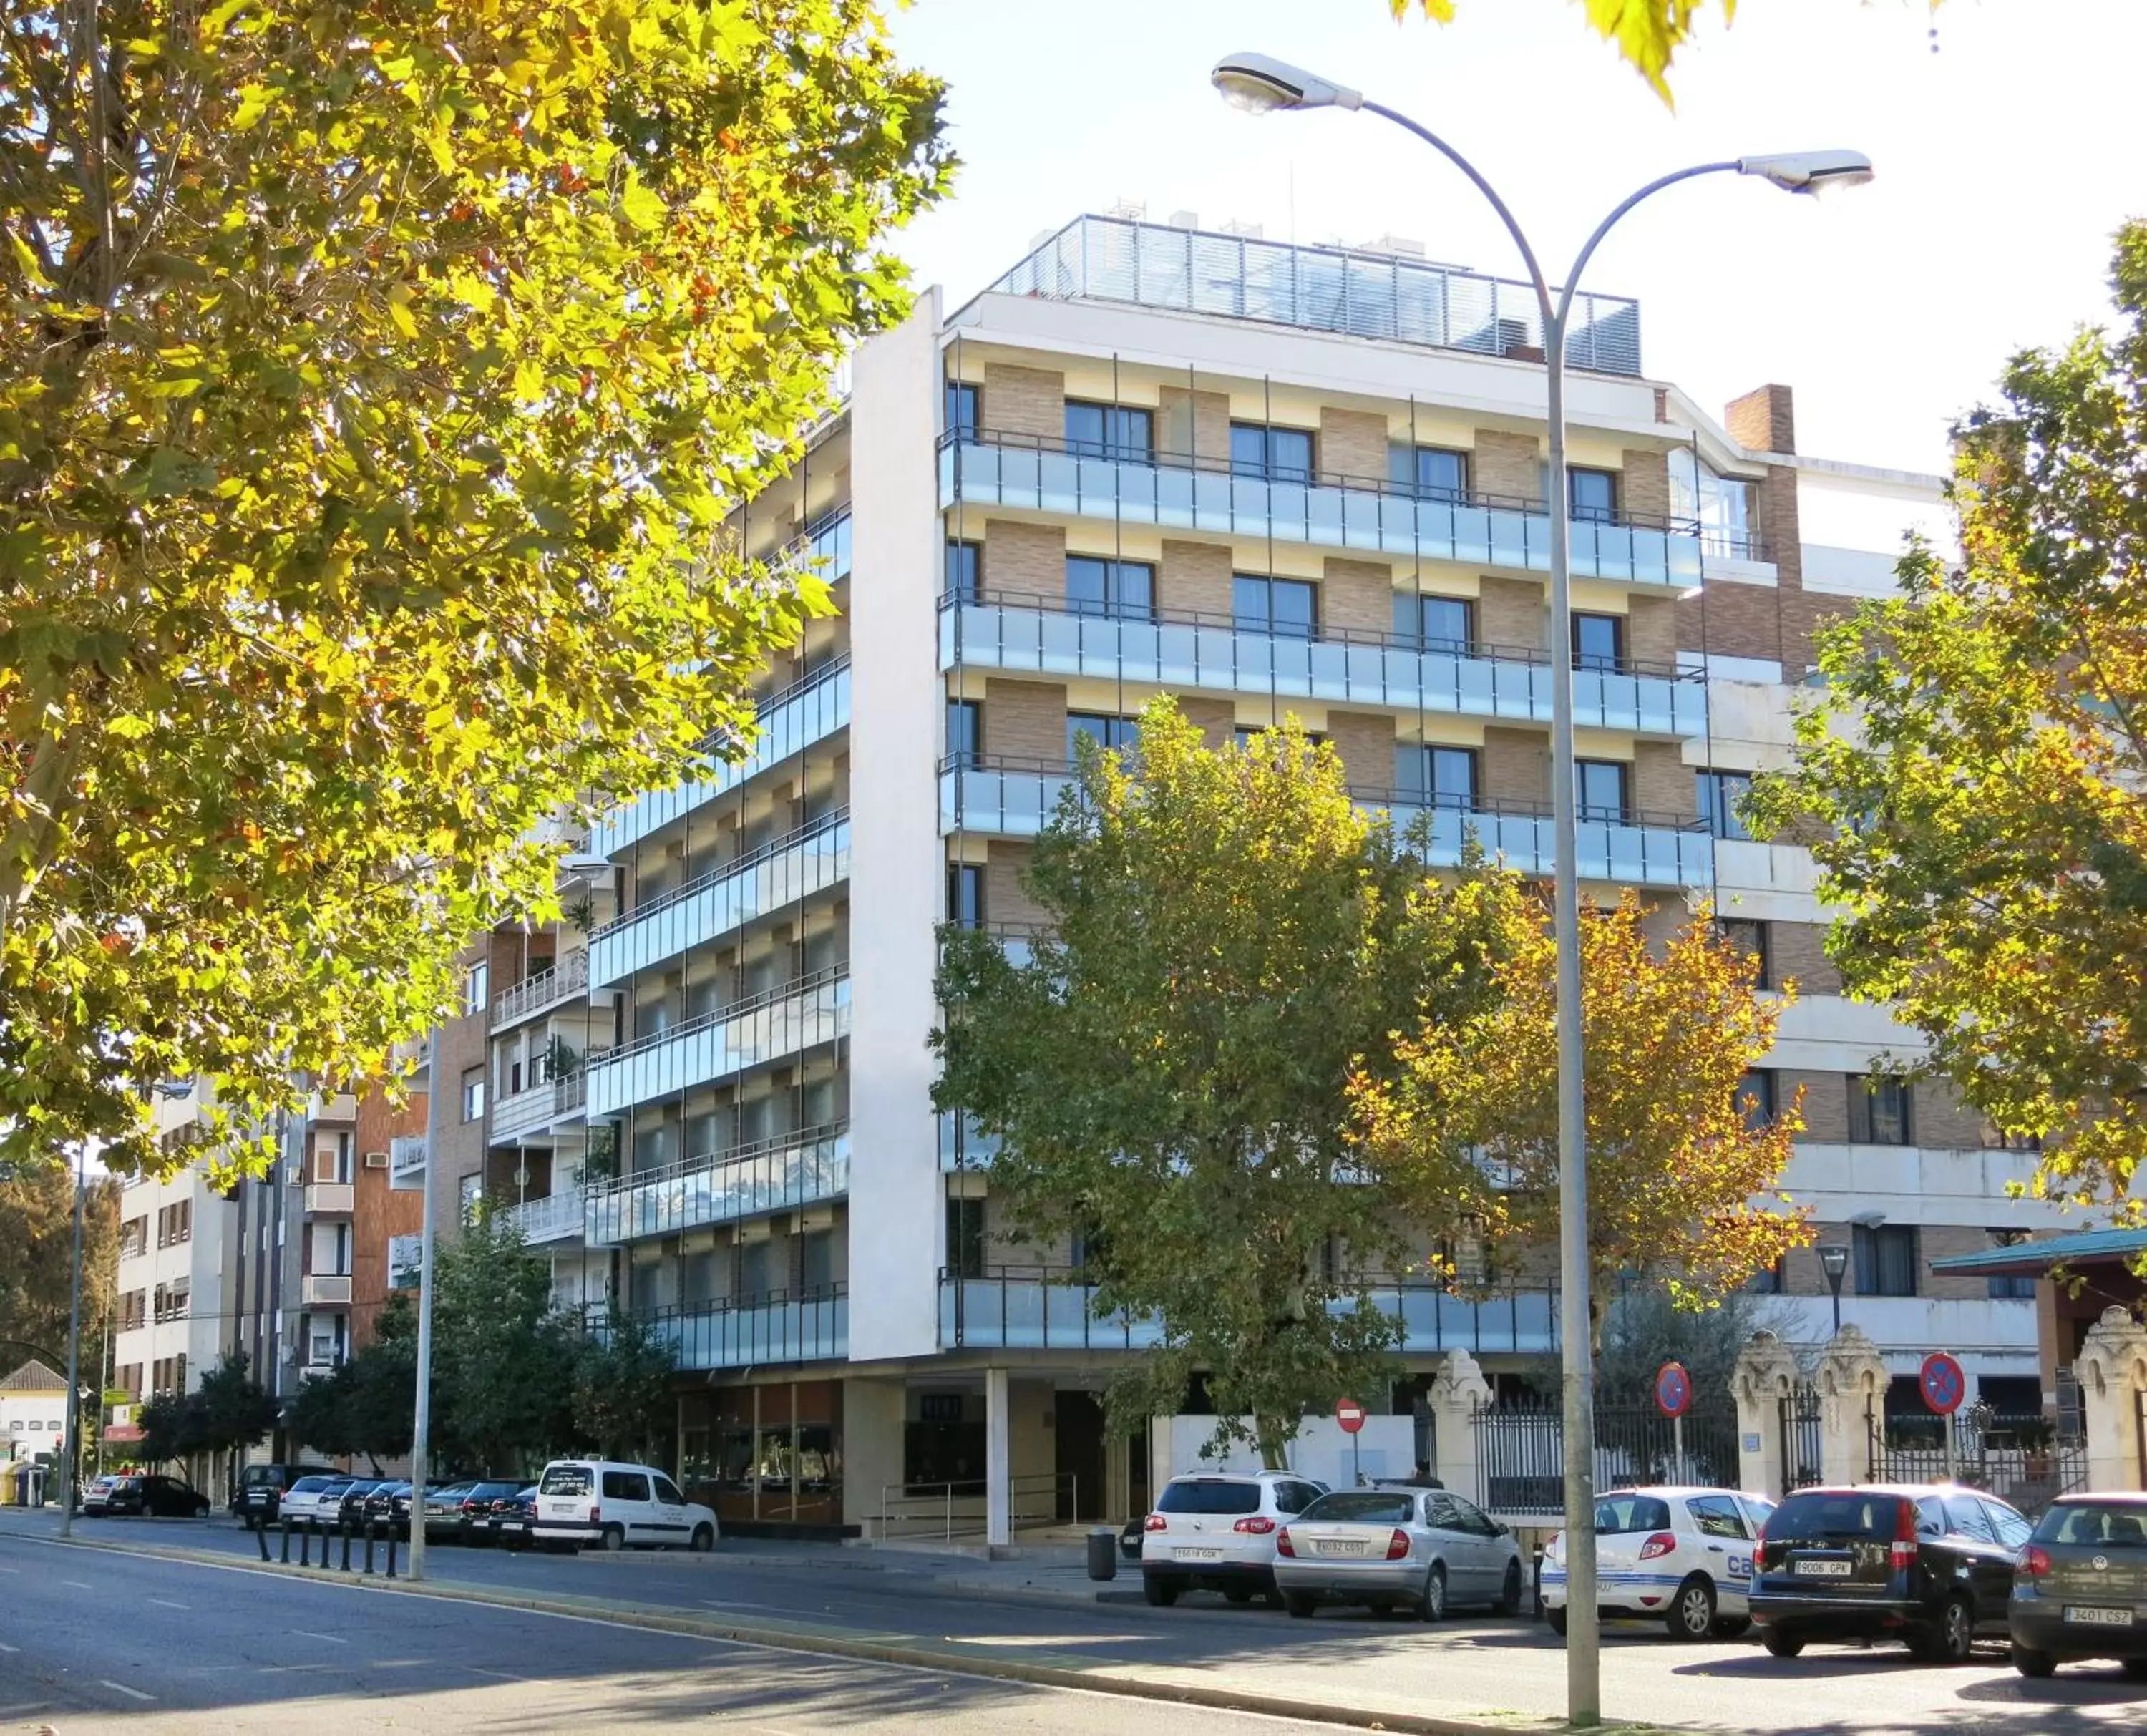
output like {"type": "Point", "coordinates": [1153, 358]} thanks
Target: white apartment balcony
{"type": "Point", "coordinates": [807, 1325]}
{"type": "Point", "coordinates": [324, 1289]}
{"type": "Point", "coordinates": [319, 1370]}
{"type": "Point", "coordinates": [1017, 798]}
{"type": "Point", "coordinates": [1190, 652]}
{"type": "Point", "coordinates": [541, 991]}
{"type": "Point", "coordinates": [779, 1022]}
{"type": "Point", "coordinates": [330, 1199]}
{"type": "Point", "coordinates": [795, 1169]}
{"type": "Point", "coordinates": [1905, 1328]}
{"type": "Point", "coordinates": [779, 873]}
{"type": "Point", "coordinates": [556, 1218]}
{"type": "Point", "coordinates": [536, 1112]}
{"type": "Point", "coordinates": [339, 1106]}
{"type": "Point", "coordinates": [406, 1163]}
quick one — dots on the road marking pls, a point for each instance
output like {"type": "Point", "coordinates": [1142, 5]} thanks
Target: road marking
{"type": "Point", "coordinates": [334, 1639]}
{"type": "Point", "coordinates": [132, 1694]}
{"type": "Point", "coordinates": [10, 1649]}
{"type": "Point", "coordinates": [500, 1675]}
{"type": "Point", "coordinates": [79, 1584]}
{"type": "Point", "coordinates": [164, 1603]}
{"type": "Point", "coordinates": [10, 1570]}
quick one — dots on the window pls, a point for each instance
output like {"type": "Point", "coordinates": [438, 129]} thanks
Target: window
{"type": "Point", "coordinates": [1994, 1139]}
{"type": "Point", "coordinates": [965, 731]}
{"type": "Point", "coordinates": [1720, 506]}
{"type": "Point", "coordinates": [1716, 1516]}
{"type": "Point", "coordinates": [964, 410]}
{"type": "Point", "coordinates": [1879, 1111]}
{"type": "Point", "coordinates": [1756, 1098]}
{"type": "Point", "coordinates": [2014, 1529]}
{"type": "Point", "coordinates": [1119, 734]}
{"type": "Point", "coordinates": [1275, 455]}
{"type": "Point", "coordinates": [625, 1486]}
{"type": "Point", "coordinates": [1598, 643]}
{"type": "Point", "coordinates": [965, 571]}
{"type": "Point", "coordinates": [1623, 1515]}
{"type": "Point", "coordinates": [1767, 1281]}
{"type": "Point", "coordinates": [1110, 431]}
{"type": "Point", "coordinates": [1719, 793]}
{"type": "Point", "coordinates": [474, 1095]}
{"type": "Point", "coordinates": [2011, 1286]}
{"type": "Point", "coordinates": [1436, 474]}
{"type": "Point", "coordinates": [1965, 1518]}
{"type": "Point", "coordinates": [1593, 496]}
{"type": "Point", "coordinates": [1752, 938]}
{"type": "Point", "coordinates": [477, 987]}
{"type": "Point", "coordinates": [1288, 608]}
{"type": "Point", "coordinates": [1885, 1256]}
{"type": "Point", "coordinates": [965, 1237]}
{"type": "Point", "coordinates": [667, 1492]}
{"type": "Point", "coordinates": [134, 1236]}
{"type": "Point", "coordinates": [1439, 777]}
{"type": "Point", "coordinates": [1213, 1497]}
{"type": "Point", "coordinates": [1123, 589]}
{"type": "Point", "coordinates": [1435, 623]}
{"type": "Point", "coordinates": [965, 895]}
{"type": "Point", "coordinates": [1599, 787]}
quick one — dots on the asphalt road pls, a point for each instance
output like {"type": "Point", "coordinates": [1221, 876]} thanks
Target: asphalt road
{"type": "Point", "coordinates": [1470, 1665]}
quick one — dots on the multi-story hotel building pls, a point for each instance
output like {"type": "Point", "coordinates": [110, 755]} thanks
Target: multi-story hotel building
{"type": "Point", "coordinates": [1270, 479]}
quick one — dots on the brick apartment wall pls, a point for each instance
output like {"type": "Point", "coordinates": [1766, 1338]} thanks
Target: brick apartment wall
{"type": "Point", "coordinates": [1006, 900]}
{"type": "Point", "coordinates": [1942, 1240]}
{"type": "Point", "coordinates": [1021, 559]}
{"type": "Point", "coordinates": [1365, 740]}
{"type": "Point", "coordinates": [1196, 576]}
{"type": "Point", "coordinates": [1025, 719]}
{"type": "Point", "coordinates": [1508, 464]}
{"type": "Point", "coordinates": [1352, 446]}
{"type": "Point", "coordinates": [1942, 1121]}
{"type": "Point", "coordinates": [1660, 918]}
{"type": "Point", "coordinates": [1651, 634]}
{"type": "Point", "coordinates": [1798, 952]}
{"type": "Point", "coordinates": [1763, 420]}
{"type": "Point", "coordinates": [1359, 596]}
{"type": "Point", "coordinates": [378, 1211]}
{"type": "Point", "coordinates": [1663, 784]}
{"type": "Point", "coordinates": [1029, 400]}
{"type": "Point", "coordinates": [1193, 421]}
{"type": "Point", "coordinates": [1733, 620]}
{"type": "Point", "coordinates": [1647, 484]}
{"type": "Point", "coordinates": [1513, 611]}
{"type": "Point", "coordinates": [1516, 765]}
{"type": "Point", "coordinates": [1825, 1104]}
{"type": "Point", "coordinates": [1216, 719]}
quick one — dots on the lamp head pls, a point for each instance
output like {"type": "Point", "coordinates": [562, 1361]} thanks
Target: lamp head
{"type": "Point", "coordinates": [1260, 84]}
{"type": "Point", "coordinates": [1809, 170]}
{"type": "Point", "coordinates": [1834, 1261]}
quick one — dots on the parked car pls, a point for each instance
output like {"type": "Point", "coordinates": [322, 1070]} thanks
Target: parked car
{"type": "Point", "coordinates": [513, 1519]}
{"type": "Point", "coordinates": [1216, 1532]}
{"type": "Point", "coordinates": [1931, 1564]}
{"type": "Point", "coordinates": [314, 1500]}
{"type": "Point", "coordinates": [471, 1513]}
{"type": "Point", "coordinates": [2080, 1589]}
{"type": "Point", "coordinates": [444, 1509]}
{"type": "Point", "coordinates": [1389, 1545]}
{"type": "Point", "coordinates": [162, 1498]}
{"type": "Point", "coordinates": [257, 1495]}
{"type": "Point", "coordinates": [350, 1510]}
{"type": "Point", "coordinates": [587, 1500]}
{"type": "Point", "coordinates": [388, 1507]}
{"type": "Point", "coordinates": [1679, 1556]}
{"type": "Point", "coordinates": [1129, 1538]}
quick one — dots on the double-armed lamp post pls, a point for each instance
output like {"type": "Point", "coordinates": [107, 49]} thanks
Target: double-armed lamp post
{"type": "Point", "coordinates": [1260, 84]}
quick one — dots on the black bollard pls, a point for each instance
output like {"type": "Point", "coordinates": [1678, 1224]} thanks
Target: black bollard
{"type": "Point", "coordinates": [261, 1536]}
{"type": "Point", "coordinates": [369, 1546]}
{"type": "Point", "coordinates": [391, 1551]}
{"type": "Point", "coordinates": [284, 1526]}
{"type": "Point", "coordinates": [306, 1546]}
{"type": "Point", "coordinates": [345, 1529]}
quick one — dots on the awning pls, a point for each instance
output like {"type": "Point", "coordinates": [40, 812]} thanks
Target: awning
{"type": "Point", "coordinates": [2086, 1247]}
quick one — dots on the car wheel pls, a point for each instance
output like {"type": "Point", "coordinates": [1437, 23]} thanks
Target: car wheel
{"type": "Point", "coordinates": [1954, 1638]}
{"type": "Point", "coordinates": [1556, 1617]}
{"type": "Point", "coordinates": [1299, 1604]}
{"type": "Point", "coordinates": [704, 1539]}
{"type": "Point", "coordinates": [1691, 1615]}
{"type": "Point", "coordinates": [1160, 1592]}
{"type": "Point", "coordinates": [201, 1510]}
{"type": "Point", "coordinates": [1733, 1626]}
{"type": "Point", "coordinates": [614, 1538]}
{"type": "Point", "coordinates": [1432, 1605]}
{"type": "Point", "coordinates": [1237, 1593]}
{"type": "Point", "coordinates": [1509, 1591]}
{"type": "Point", "coordinates": [2032, 1663]}
{"type": "Point", "coordinates": [1779, 1645]}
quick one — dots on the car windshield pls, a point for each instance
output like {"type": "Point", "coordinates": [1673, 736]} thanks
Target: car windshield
{"type": "Point", "coordinates": [2098, 1524]}
{"type": "Point", "coordinates": [1363, 1507]}
{"type": "Point", "coordinates": [1835, 1515]}
{"type": "Point", "coordinates": [308, 1485]}
{"type": "Point", "coordinates": [1208, 1494]}
{"type": "Point", "coordinates": [1615, 1515]}
{"type": "Point", "coordinates": [566, 1480]}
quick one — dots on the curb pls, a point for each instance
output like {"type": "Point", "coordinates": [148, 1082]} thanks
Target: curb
{"type": "Point", "coordinates": [869, 1651]}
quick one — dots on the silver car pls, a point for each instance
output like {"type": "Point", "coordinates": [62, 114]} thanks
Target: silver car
{"type": "Point", "coordinates": [1424, 1549]}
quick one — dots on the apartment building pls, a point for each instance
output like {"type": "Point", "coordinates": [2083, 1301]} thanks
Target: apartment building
{"type": "Point", "coordinates": [1271, 480]}
{"type": "Point", "coordinates": [176, 1290]}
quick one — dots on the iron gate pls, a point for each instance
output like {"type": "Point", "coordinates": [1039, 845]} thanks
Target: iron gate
{"type": "Point", "coordinates": [1801, 1453]}
{"type": "Point", "coordinates": [1520, 1453]}
{"type": "Point", "coordinates": [2028, 1461]}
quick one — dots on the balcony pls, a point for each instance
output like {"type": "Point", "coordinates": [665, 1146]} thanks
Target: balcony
{"type": "Point", "coordinates": [1040, 1307]}
{"type": "Point", "coordinates": [330, 1199]}
{"type": "Point", "coordinates": [1193, 652]}
{"type": "Point", "coordinates": [1017, 798]}
{"type": "Point", "coordinates": [319, 1289]}
{"type": "Point", "coordinates": [764, 1028]}
{"type": "Point", "coordinates": [542, 990]}
{"type": "Point", "coordinates": [808, 1325]}
{"type": "Point", "coordinates": [795, 1170]}
{"type": "Point", "coordinates": [1178, 491]}
{"type": "Point", "coordinates": [318, 1370]}
{"type": "Point", "coordinates": [790, 722]}
{"type": "Point", "coordinates": [779, 873]}
{"type": "Point", "coordinates": [1317, 289]}
{"type": "Point", "coordinates": [406, 1162]}
{"type": "Point", "coordinates": [556, 1218]}
{"type": "Point", "coordinates": [405, 1254]}
{"type": "Point", "coordinates": [533, 1111]}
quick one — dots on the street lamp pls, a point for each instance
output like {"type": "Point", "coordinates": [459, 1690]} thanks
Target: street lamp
{"type": "Point", "coordinates": [1262, 84]}
{"type": "Point", "coordinates": [1834, 1261]}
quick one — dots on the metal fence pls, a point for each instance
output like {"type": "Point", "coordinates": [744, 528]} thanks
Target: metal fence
{"type": "Point", "coordinates": [1520, 1453]}
{"type": "Point", "coordinates": [1802, 1454]}
{"type": "Point", "coordinates": [2028, 1461]}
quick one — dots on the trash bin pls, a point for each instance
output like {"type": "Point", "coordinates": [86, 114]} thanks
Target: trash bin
{"type": "Point", "coordinates": [1102, 1553]}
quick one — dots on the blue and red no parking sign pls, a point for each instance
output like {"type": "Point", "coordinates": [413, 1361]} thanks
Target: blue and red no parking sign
{"type": "Point", "coordinates": [1672, 1390]}
{"type": "Point", "coordinates": [1943, 1383]}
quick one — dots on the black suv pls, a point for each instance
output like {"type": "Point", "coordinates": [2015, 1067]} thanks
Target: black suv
{"type": "Point", "coordinates": [1931, 1564]}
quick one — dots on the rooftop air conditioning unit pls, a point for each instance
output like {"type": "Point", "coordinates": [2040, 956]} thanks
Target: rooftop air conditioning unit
{"type": "Point", "coordinates": [375, 1160]}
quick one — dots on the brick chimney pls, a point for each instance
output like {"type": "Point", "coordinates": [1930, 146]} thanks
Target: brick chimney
{"type": "Point", "coordinates": [1763, 420]}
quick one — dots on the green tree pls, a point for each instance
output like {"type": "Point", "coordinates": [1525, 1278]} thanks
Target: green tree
{"type": "Point", "coordinates": [36, 1267]}
{"type": "Point", "coordinates": [1973, 770]}
{"type": "Point", "coordinates": [375, 381]}
{"type": "Point", "coordinates": [367, 1406]}
{"type": "Point", "coordinates": [232, 1411]}
{"type": "Point", "coordinates": [503, 1361]}
{"type": "Point", "coordinates": [1169, 1074]}
{"type": "Point", "coordinates": [170, 1429]}
{"type": "Point", "coordinates": [623, 1398]}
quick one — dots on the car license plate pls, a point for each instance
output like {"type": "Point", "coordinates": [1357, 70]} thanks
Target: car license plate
{"type": "Point", "coordinates": [1199, 1554]}
{"type": "Point", "coordinates": [1342, 1546]}
{"type": "Point", "coordinates": [1823, 1569]}
{"type": "Point", "coordinates": [2095, 1618]}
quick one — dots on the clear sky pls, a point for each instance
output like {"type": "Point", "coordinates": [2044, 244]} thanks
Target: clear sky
{"type": "Point", "coordinates": [2005, 160]}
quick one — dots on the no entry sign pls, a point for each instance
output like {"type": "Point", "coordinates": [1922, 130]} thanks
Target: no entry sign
{"type": "Point", "coordinates": [1944, 1385]}
{"type": "Point", "coordinates": [1351, 1415]}
{"type": "Point", "coordinates": [1672, 1390]}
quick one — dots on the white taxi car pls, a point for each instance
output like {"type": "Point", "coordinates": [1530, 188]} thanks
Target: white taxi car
{"type": "Point", "coordinates": [1679, 1556]}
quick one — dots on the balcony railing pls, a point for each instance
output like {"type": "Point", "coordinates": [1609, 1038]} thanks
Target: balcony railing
{"type": "Point", "coordinates": [406, 1160]}
{"type": "Point", "coordinates": [1044, 1308]}
{"type": "Point", "coordinates": [1185, 492]}
{"type": "Point", "coordinates": [1319, 289]}
{"type": "Point", "coordinates": [790, 722]}
{"type": "Point", "coordinates": [810, 1325]}
{"type": "Point", "coordinates": [796, 1169]}
{"type": "Point", "coordinates": [334, 1199]}
{"type": "Point", "coordinates": [316, 1288]}
{"type": "Point", "coordinates": [556, 1218]}
{"type": "Point", "coordinates": [1188, 650]}
{"type": "Point", "coordinates": [778, 873]}
{"type": "Point", "coordinates": [543, 988]}
{"type": "Point", "coordinates": [535, 1108]}
{"type": "Point", "coordinates": [784, 1020]}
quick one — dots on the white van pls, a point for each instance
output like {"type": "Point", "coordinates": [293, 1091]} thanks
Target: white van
{"type": "Point", "coordinates": [593, 1501]}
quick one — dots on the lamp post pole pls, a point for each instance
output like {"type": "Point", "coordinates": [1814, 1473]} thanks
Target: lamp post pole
{"type": "Point", "coordinates": [69, 1457]}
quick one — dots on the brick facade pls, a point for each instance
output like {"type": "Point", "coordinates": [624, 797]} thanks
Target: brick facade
{"type": "Point", "coordinates": [1365, 740]}
{"type": "Point", "coordinates": [1651, 632]}
{"type": "Point", "coordinates": [1006, 900]}
{"type": "Point", "coordinates": [1732, 619]}
{"type": "Point", "coordinates": [1505, 464]}
{"type": "Point", "coordinates": [1216, 719]}
{"type": "Point", "coordinates": [1025, 719]}
{"type": "Point", "coordinates": [1352, 446]}
{"type": "Point", "coordinates": [1663, 784]}
{"type": "Point", "coordinates": [1195, 577]}
{"type": "Point", "coordinates": [1797, 952]}
{"type": "Point", "coordinates": [1513, 611]}
{"type": "Point", "coordinates": [1825, 1103]}
{"type": "Point", "coordinates": [1198, 423]}
{"type": "Point", "coordinates": [1763, 420]}
{"type": "Point", "coordinates": [1359, 596]}
{"type": "Point", "coordinates": [1647, 486]}
{"type": "Point", "coordinates": [1021, 559]}
{"type": "Point", "coordinates": [1516, 765]}
{"type": "Point", "coordinates": [1024, 401]}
